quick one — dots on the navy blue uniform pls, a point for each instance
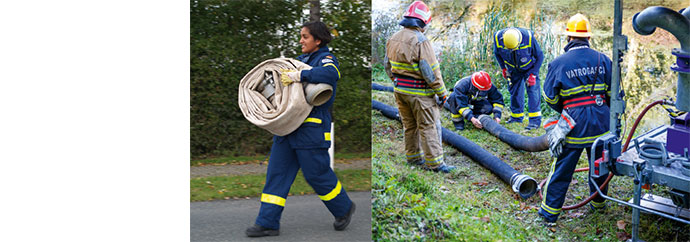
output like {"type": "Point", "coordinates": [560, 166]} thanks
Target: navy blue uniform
{"type": "Point", "coordinates": [467, 101]}
{"type": "Point", "coordinates": [306, 148]}
{"type": "Point", "coordinates": [579, 82]}
{"type": "Point", "coordinates": [526, 59]}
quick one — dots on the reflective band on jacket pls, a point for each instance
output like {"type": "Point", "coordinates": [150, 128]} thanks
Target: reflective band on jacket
{"type": "Point", "coordinates": [496, 105]}
{"type": "Point", "coordinates": [333, 193]}
{"type": "Point", "coordinates": [336, 68]}
{"type": "Point", "coordinates": [582, 140]}
{"type": "Point", "coordinates": [410, 83]}
{"type": "Point", "coordinates": [582, 101]}
{"type": "Point", "coordinates": [577, 90]}
{"type": "Point", "coordinates": [327, 136]}
{"type": "Point", "coordinates": [273, 199]}
{"type": "Point", "coordinates": [313, 120]}
{"type": "Point", "coordinates": [404, 66]}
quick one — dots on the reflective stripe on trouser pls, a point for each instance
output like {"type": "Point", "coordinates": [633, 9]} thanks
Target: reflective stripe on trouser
{"type": "Point", "coordinates": [559, 179]}
{"type": "Point", "coordinates": [421, 121]}
{"type": "Point", "coordinates": [517, 100]}
{"type": "Point", "coordinates": [282, 169]}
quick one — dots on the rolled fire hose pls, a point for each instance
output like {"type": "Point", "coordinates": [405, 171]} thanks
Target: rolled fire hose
{"type": "Point", "coordinates": [519, 142]}
{"type": "Point", "coordinates": [266, 103]}
{"type": "Point", "coordinates": [523, 185]}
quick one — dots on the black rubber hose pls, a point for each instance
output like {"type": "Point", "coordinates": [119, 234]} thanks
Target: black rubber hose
{"type": "Point", "coordinates": [520, 142]}
{"type": "Point", "coordinates": [378, 87]}
{"type": "Point", "coordinates": [522, 184]}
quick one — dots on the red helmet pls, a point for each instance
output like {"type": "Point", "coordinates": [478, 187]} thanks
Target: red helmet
{"type": "Point", "coordinates": [419, 10]}
{"type": "Point", "coordinates": [481, 80]}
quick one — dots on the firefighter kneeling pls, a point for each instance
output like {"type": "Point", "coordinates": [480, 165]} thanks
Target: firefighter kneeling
{"type": "Point", "coordinates": [472, 96]}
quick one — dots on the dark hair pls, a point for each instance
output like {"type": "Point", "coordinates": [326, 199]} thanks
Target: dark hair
{"type": "Point", "coordinates": [320, 31]}
{"type": "Point", "coordinates": [586, 39]}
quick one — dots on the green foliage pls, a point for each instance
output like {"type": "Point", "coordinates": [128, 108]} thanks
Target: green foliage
{"type": "Point", "coordinates": [229, 38]}
{"type": "Point", "coordinates": [225, 187]}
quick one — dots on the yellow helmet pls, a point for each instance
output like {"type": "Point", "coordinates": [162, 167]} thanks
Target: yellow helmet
{"type": "Point", "coordinates": [578, 26]}
{"type": "Point", "coordinates": [512, 38]}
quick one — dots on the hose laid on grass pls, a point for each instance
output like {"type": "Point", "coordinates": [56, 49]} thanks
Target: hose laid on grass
{"type": "Point", "coordinates": [519, 142]}
{"type": "Point", "coordinates": [522, 184]}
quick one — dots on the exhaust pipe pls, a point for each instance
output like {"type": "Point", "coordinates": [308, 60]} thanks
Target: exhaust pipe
{"type": "Point", "coordinates": [519, 142]}
{"type": "Point", "coordinates": [678, 24]}
{"type": "Point", "coordinates": [523, 185]}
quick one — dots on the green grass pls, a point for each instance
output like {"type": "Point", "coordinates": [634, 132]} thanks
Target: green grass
{"type": "Point", "coordinates": [474, 204]}
{"type": "Point", "coordinates": [239, 160]}
{"type": "Point", "coordinates": [226, 187]}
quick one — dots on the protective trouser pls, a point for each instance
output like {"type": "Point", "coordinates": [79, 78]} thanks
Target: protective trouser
{"type": "Point", "coordinates": [421, 120]}
{"type": "Point", "coordinates": [559, 179]}
{"type": "Point", "coordinates": [484, 107]}
{"type": "Point", "coordinates": [282, 169]}
{"type": "Point", "coordinates": [517, 87]}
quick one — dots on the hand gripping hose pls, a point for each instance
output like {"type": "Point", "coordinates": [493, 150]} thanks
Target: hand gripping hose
{"type": "Point", "coordinates": [522, 184]}
{"type": "Point", "coordinates": [266, 103]}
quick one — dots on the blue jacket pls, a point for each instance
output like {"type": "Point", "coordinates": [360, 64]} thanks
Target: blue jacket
{"type": "Point", "coordinates": [315, 131]}
{"type": "Point", "coordinates": [570, 78]}
{"type": "Point", "coordinates": [465, 94]}
{"type": "Point", "coordinates": [527, 59]}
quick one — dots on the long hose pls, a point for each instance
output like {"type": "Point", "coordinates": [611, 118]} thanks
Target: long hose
{"type": "Point", "coordinates": [522, 184]}
{"type": "Point", "coordinates": [519, 142]}
{"type": "Point", "coordinates": [625, 147]}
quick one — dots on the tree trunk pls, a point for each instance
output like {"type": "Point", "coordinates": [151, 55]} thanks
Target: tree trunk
{"type": "Point", "coordinates": [314, 10]}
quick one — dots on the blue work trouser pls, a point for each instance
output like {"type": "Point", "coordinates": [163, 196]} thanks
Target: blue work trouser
{"type": "Point", "coordinates": [559, 179]}
{"type": "Point", "coordinates": [282, 170]}
{"type": "Point", "coordinates": [480, 108]}
{"type": "Point", "coordinates": [517, 87]}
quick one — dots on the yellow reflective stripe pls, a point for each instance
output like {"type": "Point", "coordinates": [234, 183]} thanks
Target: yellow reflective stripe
{"type": "Point", "coordinates": [549, 100]}
{"type": "Point", "coordinates": [435, 66]}
{"type": "Point", "coordinates": [414, 155]}
{"type": "Point", "coordinates": [462, 110]}
{"type": "Point", "coordinates": [327, 136]}
{"type": "Point", "coordinates": [313, 120]}
{"type": "Point", "coordinates": [421, 92]}
{"type": "Point", "coordinates": [336, 68]}
{"type": "Point", "coordinates": [517, 115]}
{"type": "Point", "coordinates": [582, 140]}
{"type": "Point", "coordinates": [496, 41]}
{"type": "Point", "coordinates": [455, 115]}
{"type": "Point", "coordinates": [530, 61]}
{"type": "Point", "coordinates": [598, 205]}
{"type": "Point", "coordinates": [504, 61]}
{"type": "Point", "coordinates": [548, 178]}
{"type": "Point", "coordinates": [404, 66]}
{"type": "Point", "coordinates": [434, 162]}
{"type": "Point", "coordinates": [579, 89]}
{"type": "Point", "coordinates": [496, 105]}
{"type": "Point", "coordinates": [529, 36]}
{"type": "Point", "coordinates": [333, 193]}
{"type": "Point", "coordinates": [550, 209]}
{"type": "Point", "coordinates": [273, 199]}
{"type": "Point", "coordinates": [532, 115]}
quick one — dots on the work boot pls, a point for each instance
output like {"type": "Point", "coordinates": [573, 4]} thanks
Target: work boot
{"type": "Point", "coordinates": [597, 206]}
{"type": "Point", "coordinates": [342, 222]}
{"type": "Point", "coordinates": [459, 125]}
{"type": "Point", "coordinates": [416, 162]}
{"type": "Point", "coordinates": [510, 121]}
{"type": "Point", "coordinates": [443, 168]}
{"type": "Point", "coordinates": [531, 127]}
{"type": "Point", "coordinates": [260, 231]}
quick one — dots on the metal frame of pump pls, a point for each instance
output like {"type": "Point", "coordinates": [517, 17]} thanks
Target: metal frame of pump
{"type": "Point", "coordinates": [628, 162]}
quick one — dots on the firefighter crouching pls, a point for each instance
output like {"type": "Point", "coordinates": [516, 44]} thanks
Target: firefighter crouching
{"type": "Point", "coordinates": [472, 96]}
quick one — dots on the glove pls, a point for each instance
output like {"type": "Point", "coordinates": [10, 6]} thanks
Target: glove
{"type": "Point", "coordinates": [531, 80]}
{"type": "Point", "coordinates": [287, 77]}
{"type": "Point", "coordinates": [441, 100]}
{"type": "Point", "coordinates": [556, 130]}
{"type": "Point", "coordinates": [504, 74]}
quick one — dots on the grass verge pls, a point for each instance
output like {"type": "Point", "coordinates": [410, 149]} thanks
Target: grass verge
{"type": "Point", "coordinates": [473, 204]}
{"type": "Point", "coordinates": [226, 187]}
{"type": "Point", "coordinates": [241, 160]}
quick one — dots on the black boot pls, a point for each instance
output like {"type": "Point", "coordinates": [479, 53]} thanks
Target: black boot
{"type": "Point", "coordinates": [342, 222]}
{"type": "Point", "coordinates": [259, 231]}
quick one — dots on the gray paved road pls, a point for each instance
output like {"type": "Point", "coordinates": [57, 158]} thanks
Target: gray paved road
{"type": "Point", "coordinates": [305, 218]}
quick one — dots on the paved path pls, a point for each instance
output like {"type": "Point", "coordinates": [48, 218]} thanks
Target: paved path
{"type": "Point", "coordinates": [305, 218]}
{"type": "Point", "coordinates": [234, 170]}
